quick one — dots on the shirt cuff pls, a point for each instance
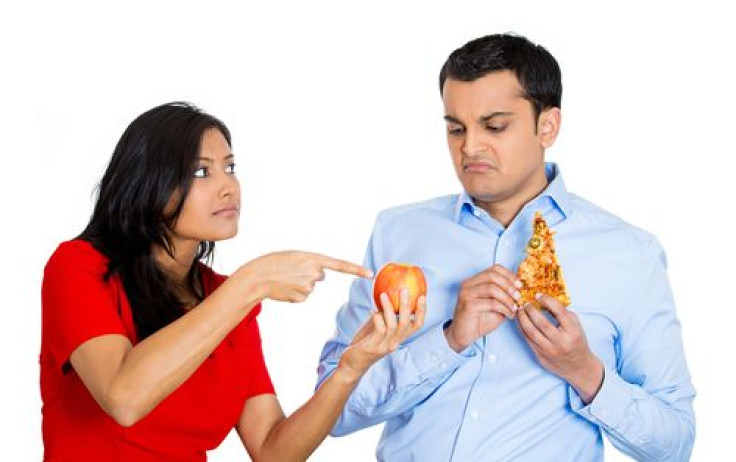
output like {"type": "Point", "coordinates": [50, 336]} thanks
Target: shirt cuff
{"type": "Point", "coordinates": [608, 408]}
{"type": "Point", "coordinates": [433, 357]}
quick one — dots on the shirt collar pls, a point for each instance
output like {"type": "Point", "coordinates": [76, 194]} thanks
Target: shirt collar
{"type": "Point", "coordinates": [555, 190]}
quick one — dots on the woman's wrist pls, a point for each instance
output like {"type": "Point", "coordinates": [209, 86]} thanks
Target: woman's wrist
{"type": "Point", "coordinates": [248, 278]}
{"type": "Point", "coordinates": [345, 372]}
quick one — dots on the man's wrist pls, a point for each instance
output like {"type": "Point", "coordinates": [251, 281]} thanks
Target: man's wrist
{"type": "Point", "coordinates": [450, 338]}
{"type": "Point", "coordinates": [589, 381]}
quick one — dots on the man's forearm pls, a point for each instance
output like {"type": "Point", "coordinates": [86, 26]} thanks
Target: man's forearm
{"type": "Point", "coordinates": [639, 424]}
{"type": "Point", "coordinates": [397, 382]}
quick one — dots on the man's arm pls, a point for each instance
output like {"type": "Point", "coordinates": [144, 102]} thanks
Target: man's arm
{"type": "Point", "coordinates": [404, 378]}
{"type": "Point", "coordinates": [397, 382]}
{"type": "Point", "coordinates": [645, 405]}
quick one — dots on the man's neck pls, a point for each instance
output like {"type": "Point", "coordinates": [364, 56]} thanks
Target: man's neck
{"type": "Point", "coordinates": [505, 210]}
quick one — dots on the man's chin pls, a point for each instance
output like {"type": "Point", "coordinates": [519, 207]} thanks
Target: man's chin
{"type": "Point", "coordinates": [484, 194]}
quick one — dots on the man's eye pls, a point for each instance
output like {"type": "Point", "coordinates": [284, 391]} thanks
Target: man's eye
{"type": "Point", "coordinates": [455, 131]}
{"type": "Point", "coordinates": [496, 128]}
{"type": "Point", "coordinates": [231, 168]}
{"type": "Point", "coordinates": [201, 172]}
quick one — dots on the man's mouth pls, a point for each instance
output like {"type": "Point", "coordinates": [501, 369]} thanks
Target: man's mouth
{"type": "Point", "coordinates": [477, 167]}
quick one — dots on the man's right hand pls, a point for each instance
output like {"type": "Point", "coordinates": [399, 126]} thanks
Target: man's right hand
{"type": "Point", "coordinates": [482, 304]}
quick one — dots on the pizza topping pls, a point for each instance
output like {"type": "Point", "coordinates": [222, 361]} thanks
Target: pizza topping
{"type": "Point", "coordinates": [540, 272]}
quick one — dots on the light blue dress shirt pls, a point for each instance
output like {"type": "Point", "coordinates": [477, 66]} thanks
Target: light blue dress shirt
{"type": "Point", "coordinates": [495, 402]}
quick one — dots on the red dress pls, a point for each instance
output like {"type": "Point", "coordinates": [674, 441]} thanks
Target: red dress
{"type": "Point", "coordinates": [77, 306]}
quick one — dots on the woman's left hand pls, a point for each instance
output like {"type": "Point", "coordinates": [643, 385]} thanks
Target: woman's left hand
{"type": "Point", "coordinates": [383, 333]}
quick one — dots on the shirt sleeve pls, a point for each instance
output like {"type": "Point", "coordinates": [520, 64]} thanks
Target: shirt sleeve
{"type": "Point", "coordinates": [399, 381]}
{"type": "Point", "coordinates": [645, 405]}
{"type": "Point", "coordinates": [77, 304]}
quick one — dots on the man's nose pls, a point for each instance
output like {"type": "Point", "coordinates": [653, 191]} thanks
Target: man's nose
{"type": "Point", "coordinates": [472, 143]}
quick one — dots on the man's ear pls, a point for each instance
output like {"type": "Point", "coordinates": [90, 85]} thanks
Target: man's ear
{"type": "Point", "coordinates": [549, 126]}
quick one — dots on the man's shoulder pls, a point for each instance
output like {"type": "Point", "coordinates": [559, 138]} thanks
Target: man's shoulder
{"type": "Point", "coordinates": [594, 217]}
{"type": "Point", "coordinates": [437, 206]}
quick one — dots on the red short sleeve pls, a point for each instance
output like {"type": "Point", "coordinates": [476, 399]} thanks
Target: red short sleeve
{"type": "Point", "coordinates": [77, 304]}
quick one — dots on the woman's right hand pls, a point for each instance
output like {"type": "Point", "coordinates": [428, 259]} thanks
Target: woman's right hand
{"type": "Point", "coordinates": [290, 276]}
{"type": "Point", "coordinates": [382, 334]}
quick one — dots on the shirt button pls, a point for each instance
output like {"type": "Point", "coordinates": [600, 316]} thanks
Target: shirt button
{"type": "Point", "coordinates": [492, 359]}
{"type": "Point", "coordinates": [433, 358]}
{"type": "Point", "coordinates": [474, 414]}
{"type": "Point", "coordinates": [443, 365]}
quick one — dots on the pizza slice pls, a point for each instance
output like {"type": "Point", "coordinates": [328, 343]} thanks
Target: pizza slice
{"type": "Point", "coordinates": [540, 271]}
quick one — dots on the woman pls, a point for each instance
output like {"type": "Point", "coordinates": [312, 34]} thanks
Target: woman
{"type": "Point", "coordinates": [147, 354]}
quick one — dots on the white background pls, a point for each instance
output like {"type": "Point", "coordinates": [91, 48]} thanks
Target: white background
{"type": "Point", "coordinates": [335, 114]}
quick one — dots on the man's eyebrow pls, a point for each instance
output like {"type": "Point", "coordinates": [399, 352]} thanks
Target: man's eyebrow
{"type": "Point", "coordinates": [453, 120]}
{"type": "Point", "coordinates": [490, 116]}
{"type": "Point", "coordinates": [484, 118]}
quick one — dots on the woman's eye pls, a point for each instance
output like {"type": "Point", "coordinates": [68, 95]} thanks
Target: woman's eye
{"type": "Point", "coordinates": [201, 172]}
{"type": "Point", "coordinates": [231, 168]}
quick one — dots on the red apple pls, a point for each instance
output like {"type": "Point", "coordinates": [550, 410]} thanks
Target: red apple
{"type": "Point", "coordinates": [392, 277]}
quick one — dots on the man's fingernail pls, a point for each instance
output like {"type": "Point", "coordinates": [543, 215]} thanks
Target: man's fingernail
{"type": "Point", "coordinates": [518, 284]}
{"type": "Point", "coordinates": [538, 296]}
{"type": "Point", "coordinates": [517, 295]}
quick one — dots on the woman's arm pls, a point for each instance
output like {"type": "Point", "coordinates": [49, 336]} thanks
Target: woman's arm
{"type": "Point", "coordinates": [269, 436]}
{"type": "Point", "coordinates": [129, 381]}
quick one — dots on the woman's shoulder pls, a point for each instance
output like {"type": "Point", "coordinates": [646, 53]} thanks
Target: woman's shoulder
{"type": "Point", "coordinates": [77, 253]}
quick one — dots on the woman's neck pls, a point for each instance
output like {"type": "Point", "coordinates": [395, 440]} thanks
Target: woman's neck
{"type": "Point", "coordinates": [178, 266]}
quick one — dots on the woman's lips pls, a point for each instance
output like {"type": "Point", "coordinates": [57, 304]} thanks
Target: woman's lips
{"type": "Point", "coordinates": [229, 211]}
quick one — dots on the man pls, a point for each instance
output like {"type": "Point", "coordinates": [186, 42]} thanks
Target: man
{"type": "Point", "coordinates": [486, 379]}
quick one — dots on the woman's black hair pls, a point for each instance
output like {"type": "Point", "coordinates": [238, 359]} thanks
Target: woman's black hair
{"type": "Point", "coordinates": [153, 162]}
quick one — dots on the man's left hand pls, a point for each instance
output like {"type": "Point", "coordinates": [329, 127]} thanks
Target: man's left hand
{"type": "Point", "coordinates": [562, 349]}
